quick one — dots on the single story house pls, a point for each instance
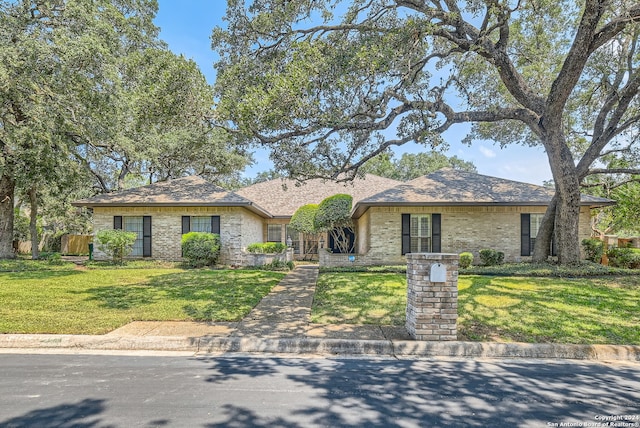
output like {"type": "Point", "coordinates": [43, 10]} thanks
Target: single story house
{"type": "Point", "coordinates": [446, 211]}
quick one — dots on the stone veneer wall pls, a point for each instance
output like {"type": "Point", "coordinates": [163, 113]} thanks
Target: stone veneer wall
{"type": "Point", "coordinates": [238, 228]}
{"type": "Point", "coordinates": [464, 228]}
{"type": "Point", "coordinates": [254, 259]}
{"type": "Point", "coordinates": [432, 307]}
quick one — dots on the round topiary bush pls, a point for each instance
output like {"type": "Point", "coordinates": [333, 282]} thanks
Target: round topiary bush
{"type": "Point", "coordinates": [200, 248]}
{"type": "Point", "coordinates": [466, 259]}
{"type": "Point", "coordinates": [491, 257]}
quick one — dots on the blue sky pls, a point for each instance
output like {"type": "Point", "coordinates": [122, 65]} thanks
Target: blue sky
{"type": "Point", "coordinates": [186, 26]}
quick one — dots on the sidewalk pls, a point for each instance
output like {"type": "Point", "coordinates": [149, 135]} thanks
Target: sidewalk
{"type": "Point", "coordinates": [280, 323]}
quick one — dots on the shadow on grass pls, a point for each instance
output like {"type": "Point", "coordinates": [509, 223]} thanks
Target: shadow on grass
{"type": "Point", "coordinates": [39, 275]}
{"type": "Point", "coordinates": [556, 310]}
{"type": "Point", "coordinates": [363, 298]}
{"type": "Point", "coordinates": [202, 295]}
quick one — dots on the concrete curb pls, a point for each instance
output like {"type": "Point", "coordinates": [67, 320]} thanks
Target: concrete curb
{"type": "Point", "coordinates": [319, 346]}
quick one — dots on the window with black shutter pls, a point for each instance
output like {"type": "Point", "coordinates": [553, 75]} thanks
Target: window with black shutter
{"type": "Point", "coordinates": [421, 233]}
{"type": "Point", "coordinates": [529, 227]}
{"type": "Point", "coordinates": [207, 224]}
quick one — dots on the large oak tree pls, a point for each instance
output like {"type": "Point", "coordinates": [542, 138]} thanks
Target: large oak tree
{"type": "Point", "coordinates": [87, 89]}
{"type": "Point", "coordinates": [330, 84]}
{"type": "Point", "coordinates": [57, 70]}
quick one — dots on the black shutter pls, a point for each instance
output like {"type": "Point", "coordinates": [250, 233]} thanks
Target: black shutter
{"type": "Point", "coordinates": [186, 224]}
{"type": "Point", "coordinates": [525, 234]}
{"type": "Point", "coordinates": [332, 243]}
{"type": "Point", "coordinates": [215, 224]}
{"type": "Point", "coordinates": [406, 233]}
{"type": "Point", "coordinates": [117, 222]}
{"type": "Point", "coordinates": [436, 233]}
{"type": "Point", "coordinates": [146, 236]}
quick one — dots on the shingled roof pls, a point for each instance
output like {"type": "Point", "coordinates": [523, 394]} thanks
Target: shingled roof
{"type": "Point", "coordinates": [282, 197]}
{"type": "Point", "coordinates": [186, 191]}
{"type": "Point", "coordinates": [452, 187]}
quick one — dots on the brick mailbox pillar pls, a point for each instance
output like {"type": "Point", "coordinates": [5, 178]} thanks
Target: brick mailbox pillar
{"type": "Point", "coordinates": [432, 296]}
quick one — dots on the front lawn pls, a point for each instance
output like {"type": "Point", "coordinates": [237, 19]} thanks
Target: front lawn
{"type": "Point", "coordinates": [360, 298]}
{"type": "Point", "coordinates": [525, 309]}
{"type": "Point", "coordinates": [39, 298]}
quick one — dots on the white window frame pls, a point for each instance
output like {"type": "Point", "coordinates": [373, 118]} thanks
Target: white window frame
{"type": "Point", "coordinates": [421, 241]}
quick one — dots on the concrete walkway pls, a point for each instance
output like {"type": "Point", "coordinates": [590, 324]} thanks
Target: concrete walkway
{"type": "Point", "coordinates": [280, 323]}
{"type": "Point", "coordinates": [284, 313]}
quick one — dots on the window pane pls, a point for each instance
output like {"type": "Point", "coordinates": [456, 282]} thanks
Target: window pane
{"type": "Point", "coordinates": [295, 238]}
{"type": "Point", "coordinates": [424, 226]}
{"type": "Point", "coordinates": [201, 224]}
{"type": "Point", "coordinates": [135, 224]}
{"type": "Point", "coordinates": [536, 220]}
{"type": "Point", "coordinates": [420, 245]}
{"type": "Point", "coordinates": [274, 233]}
{"type": "Point", "coordinates": [421, 225]}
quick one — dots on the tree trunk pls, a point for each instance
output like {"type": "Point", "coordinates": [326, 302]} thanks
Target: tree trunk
{"type": "Point", "coordinates": [542, 248]}
{"type": "Point", "coordinates": [566, 226]}
{"type": "Point", "coordinates": [7, 190]}
{"type": "Point", "coordinates": [567, 209]}
{"type": "Point", "coordinates": [33, 223]}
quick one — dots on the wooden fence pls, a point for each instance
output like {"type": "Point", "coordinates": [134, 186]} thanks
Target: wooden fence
{"type": "Point", "coordinates": [75, 244]}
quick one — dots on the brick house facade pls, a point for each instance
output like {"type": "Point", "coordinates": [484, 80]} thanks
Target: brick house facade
{"type": "Point", "coordinates": [447, 211]}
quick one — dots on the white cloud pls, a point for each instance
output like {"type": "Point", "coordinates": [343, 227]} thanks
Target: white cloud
{"type": "Point", "coordinates": [488, 153]}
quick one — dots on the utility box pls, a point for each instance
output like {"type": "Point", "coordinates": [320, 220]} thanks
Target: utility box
{"type": "Point", "coordinates": [438, 273]}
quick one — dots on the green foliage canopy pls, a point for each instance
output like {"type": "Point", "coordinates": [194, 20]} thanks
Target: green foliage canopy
{"type": "Point", "coordinates": [116, 243]}
{"type": "Point", "coordinates": [303, 220]}
{"type": "Point", "coordinates": [200, 248]}
{"type": "Point", "coordinates": [334, 212]}
{"type": "Point", "coordinates": [329, 85]}
{"type": "Point", "coordinates": [413, 165]}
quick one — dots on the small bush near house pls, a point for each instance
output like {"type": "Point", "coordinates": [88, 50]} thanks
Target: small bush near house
{"type": "Point", "coordinates": [200, 248]}
{"type": "Point", "coordinates": [626, 258]}
{"type": "Point", "coordinates": [466, 259]}
{"type": "Point", "coordinates": [116, 243]}
{"type": "Point", "coordinates": [593, 249]}
{"type": "Point", "coordinates": [266, 248]}
{"type": "Point", "coordinates": [52, 258]}
{"type": "Point", "coordinates": [491, 257]}
{"type": "Point", "coordinates": [276, 265]}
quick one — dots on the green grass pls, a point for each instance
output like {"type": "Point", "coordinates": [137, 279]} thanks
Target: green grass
{"type": "Point", "coordinates": [526, 309]}
{"type": "Point", "coordinates": [550, 310]}
{"type": "Point", "coordinates": [360, 298]}
{"type": "Point", "coordinates": [37, 298]}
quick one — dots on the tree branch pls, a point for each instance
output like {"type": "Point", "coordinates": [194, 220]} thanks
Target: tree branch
{"type": "Point", "coordinates": [594, 171]}
{"type": "Point", "coordinates": [615, 26]}
{"type": "Point", "coordinates": [575, 60]}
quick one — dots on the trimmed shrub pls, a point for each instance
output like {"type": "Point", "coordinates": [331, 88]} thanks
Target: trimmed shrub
{"type": "Point", "coordinates": [200, 248]}
{"type": "Point", "coordinates": [491, 257]}
{"type": "Point", "coordinates": [466, 259]}
{"type": "Point", "coordinates": [303, 220]}
{"type": "Point", "coordinates": [266, 248]}
{"type": "Point", "coordinates": [334, 216]}
{"type": "Point", "coordinates": [116, 243]}
{"type": "Point", "coordinates": [625, 258]}
{"type": "Point", "coordinates": [593, 249]}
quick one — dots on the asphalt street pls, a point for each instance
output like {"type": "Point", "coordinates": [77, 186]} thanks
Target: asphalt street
{"type": "Point", "coordinates": [240, 391]}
